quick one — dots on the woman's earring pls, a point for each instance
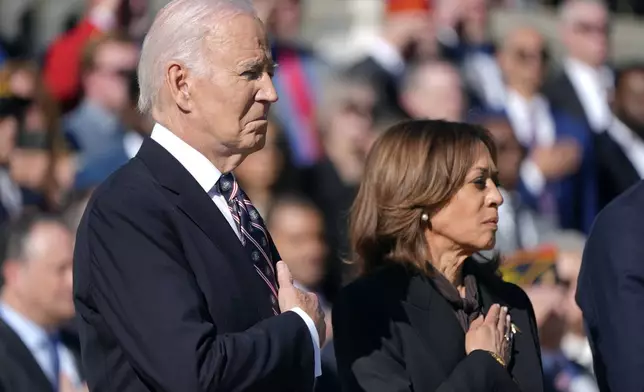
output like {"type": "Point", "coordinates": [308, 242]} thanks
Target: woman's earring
{"type": "Point", "coordinates": [424, 217]}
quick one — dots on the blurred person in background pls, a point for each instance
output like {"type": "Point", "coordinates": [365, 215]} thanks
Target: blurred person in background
{"type": "Point", "coordinates": [62, 64]}
{"type": "Point", "coordinates": [433, 90]}
{"type": "Point", "coordinates": [261, 172]}
{"type": "Point", "coordinates": [620, 150]}
{"type": "Point", "coordinates": [35, 302]}
{"type": "Point", "coordinates": [575, 345]}
{"type": "Point", "coordinates": [520, 227]}
{"type": "Point", "coordinates": [584, 85]}
{"type": "Point", "coordinates": [298, 79]}
{"type": "Point", "coordinates": [97, 126]}
{"type": "Point", "coordinates": [297, 227]}
{"type": "Point", "coordinates": [560, 373]}
{"type": "Point", "coordinates": [407, 35]}
{"type": "Point", "coordinates": [346, 125]}
{"type": "Point", "coordinates": [10, 197]}
{"type": "Point", "coordinates": [558, 178]}
{"type": "Point", "coordinates": [610, 292]}
{"type": "Point", "coordinates": [464, 34]}
{"type": "Point", "coordinates": [41, 163]}
{"type": "Point", "coordinates": [424, 316]}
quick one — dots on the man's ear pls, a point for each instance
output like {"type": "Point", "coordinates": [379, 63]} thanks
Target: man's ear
{"type": "Point", "coordinates": [177, 79]}
{"type": "Point", "coordinates": [10, 271]}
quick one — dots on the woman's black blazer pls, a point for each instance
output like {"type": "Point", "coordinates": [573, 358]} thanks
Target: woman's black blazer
{"type": "Point", "coordinates": [394, 332]}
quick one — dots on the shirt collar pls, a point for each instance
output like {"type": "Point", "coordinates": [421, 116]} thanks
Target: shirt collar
{"type": "Point", "coordinates": [31, 334]}
{"type": "Point", "coordinates": [621, 133]}
{"type": "Point", "coordinates": [387, 56]}
{"type": "Point", "coordinates": [203, 171]}
{"type": "Point", "coordinates": [602, 75]}
{"type": "Point", "coordinates": [536, 102]}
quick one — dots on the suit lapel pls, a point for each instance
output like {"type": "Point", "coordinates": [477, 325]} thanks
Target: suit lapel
{"type": "Point", "coordinates": [21, 354]}
{"type": "Point", "coordinates": [192, 200]}
{"type": "Point", "coordinates": [434, 320]}
{"type": "Point", "coordinates": [569, 94]}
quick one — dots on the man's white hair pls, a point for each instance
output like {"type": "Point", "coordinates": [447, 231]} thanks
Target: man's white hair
{"type": "Point", "coordinates": [178, 33]}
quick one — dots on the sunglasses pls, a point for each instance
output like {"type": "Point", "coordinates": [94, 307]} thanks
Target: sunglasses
{"type": "Point", "coordinates": [528, 56]}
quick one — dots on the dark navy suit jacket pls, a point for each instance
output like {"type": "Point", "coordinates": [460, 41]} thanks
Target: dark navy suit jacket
{"type": "Point", "coordinates": [610, 292]}
{"type": "Point", "coordinates": [168, 299]}
{"type": "Point", "coordinates": [576, 195]}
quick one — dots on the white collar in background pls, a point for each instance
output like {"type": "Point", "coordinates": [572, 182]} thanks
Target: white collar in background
{"type": "Point", "coordinates": [195, 163]}
{"type": "Point", "coordinates": [387, 56]}
{"type": "Point", "coordinates": [519, 109]}
{"type": "Point", "coordinates": [593, 87]}
{"type": "Point", "coordinates": [602, 75]}
{"type": "Point", "coordinates": [631, 144]}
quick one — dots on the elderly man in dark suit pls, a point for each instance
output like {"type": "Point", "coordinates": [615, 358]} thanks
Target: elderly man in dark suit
{"type": "Point", "coordinates": [176, 276]}
{"type": "Point", "coordinates": [610, 292]}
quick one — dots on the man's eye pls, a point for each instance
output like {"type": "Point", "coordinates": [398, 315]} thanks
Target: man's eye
{"type": "Point", "coordinates": [252, 75]}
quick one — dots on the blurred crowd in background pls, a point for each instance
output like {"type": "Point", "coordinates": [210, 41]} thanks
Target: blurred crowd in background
{"type": "Point", "coordinates": [570, 136]}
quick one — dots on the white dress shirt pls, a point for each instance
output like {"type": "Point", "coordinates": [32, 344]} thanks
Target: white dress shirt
{"type": "Point", "coordinates": [207, 175]}
{"type": "Point", "coordinates": [533, 125]}
{"type": "Point", "coordinates": [630, 143]}
{"type": "Point", "coordinates": [37, 341]}
{"type": "Point", "coordinates": [593, 87]}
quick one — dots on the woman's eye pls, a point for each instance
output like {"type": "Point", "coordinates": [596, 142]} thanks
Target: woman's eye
{"type": "Point", "coordinates": [480, 183]}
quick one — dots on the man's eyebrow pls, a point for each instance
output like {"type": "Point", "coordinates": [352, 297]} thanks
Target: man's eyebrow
{"type": "Point", "coordinates": [258, 63]}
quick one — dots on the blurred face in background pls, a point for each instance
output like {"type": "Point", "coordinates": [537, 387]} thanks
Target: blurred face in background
{"type": "Point", "coordinates": [629, 101]}
{"type": "Point", "coordinates": [261, 169]}
{"type": "Point", "coordinates": [348, 128]}
{"type": "Point", "coordinates": [285, 19]}
{"type": "Point", "coordinates": [42, 282]}
{"type": "Point", "coordinates": [435, 91]}
{"type": "Point", "coordinates": [568, 266]}
{"type": "Point", "coordinates": [298, 232]}
{"type": "Point", "coordinates": [523, 60]}
{"type": "Point", "coordinates": [509, 152]}
{"type": "Point", "coordinates": [547, 301]}
{"type": "Point", "coordinates": [107, 83]}
{"type": "Point", "coordinates": [585, 32]}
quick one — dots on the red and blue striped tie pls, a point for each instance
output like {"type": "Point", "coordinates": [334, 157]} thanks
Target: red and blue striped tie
{"type": "Point", "coordinates": [253, 232]}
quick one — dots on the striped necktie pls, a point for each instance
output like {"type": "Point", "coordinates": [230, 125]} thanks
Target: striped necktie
{"type": "Point", "coordinates": [252, 231]}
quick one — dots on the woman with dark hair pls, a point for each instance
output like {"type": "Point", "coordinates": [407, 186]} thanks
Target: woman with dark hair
{"type": "Point", "coordinates": [424, 316]}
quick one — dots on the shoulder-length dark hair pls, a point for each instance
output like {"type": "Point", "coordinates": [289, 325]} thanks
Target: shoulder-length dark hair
{"type": "Point", "coordinates": [414, 167]}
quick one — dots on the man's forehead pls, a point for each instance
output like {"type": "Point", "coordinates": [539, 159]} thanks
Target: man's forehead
{"type": "Point", "coordinates": [243, 31]}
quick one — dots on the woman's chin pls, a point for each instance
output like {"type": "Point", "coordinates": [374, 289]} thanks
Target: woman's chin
{"type": "Point", "coordinates": [489, 245]}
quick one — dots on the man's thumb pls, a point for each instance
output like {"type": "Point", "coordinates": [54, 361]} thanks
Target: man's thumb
{"type": "Point", "coordinates": [284, 277]}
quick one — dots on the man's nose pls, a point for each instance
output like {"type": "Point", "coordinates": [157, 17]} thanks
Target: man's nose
{"type": "Point", "coordinates": [267, 92]}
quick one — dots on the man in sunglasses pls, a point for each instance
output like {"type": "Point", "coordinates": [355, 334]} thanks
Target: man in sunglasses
{"type": "Point", "coordinates": [583, 86]}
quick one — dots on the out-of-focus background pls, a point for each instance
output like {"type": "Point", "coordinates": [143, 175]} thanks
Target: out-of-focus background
{"type": "Point", "coordinates": [560, 84]}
